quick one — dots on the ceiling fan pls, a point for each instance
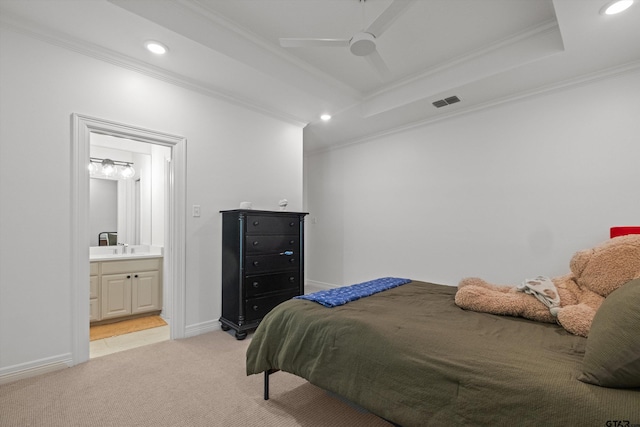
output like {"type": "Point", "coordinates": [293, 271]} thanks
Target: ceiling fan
{"type": "Point", "coordinates": [362, 43]}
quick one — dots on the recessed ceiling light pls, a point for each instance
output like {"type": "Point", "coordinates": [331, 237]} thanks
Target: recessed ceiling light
{"type": "Point", "coordinates": [617, 6]}
{"type": "Point", "coordinates": [156, 47]}
{"type": "Point", "coordinates": [325, 117]}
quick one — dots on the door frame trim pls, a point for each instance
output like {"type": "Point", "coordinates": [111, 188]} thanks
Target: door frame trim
{"type": "Point", "coordinates": [175, 225]}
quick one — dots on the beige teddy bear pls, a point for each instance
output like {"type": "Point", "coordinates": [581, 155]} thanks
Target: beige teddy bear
{"type": "Point", "coordinates": [570, 300]}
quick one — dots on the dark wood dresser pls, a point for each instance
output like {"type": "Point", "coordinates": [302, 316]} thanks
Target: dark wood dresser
{"type": "Point", "coordinates": [262, 264]}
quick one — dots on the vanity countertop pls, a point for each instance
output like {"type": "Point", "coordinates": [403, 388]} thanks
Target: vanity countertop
{"type": "Point", "coordinates": [120, 257]}
{"type": "Point", "coordinates": [106, 253]}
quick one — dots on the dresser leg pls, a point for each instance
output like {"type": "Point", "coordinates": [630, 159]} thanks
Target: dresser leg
{"type": "Point", "coordinates": [240, 335]}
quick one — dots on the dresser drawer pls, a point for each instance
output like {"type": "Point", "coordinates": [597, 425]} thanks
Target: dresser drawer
{"type": "Point", "coordinates": [263, 244]}
{"type": "Point", "coordinates": [264, 224]}
{"type": "Point", "coordinates": [257, 264]}
{"type": "Point", "coordinates": [257, 308]}
{"type": "Point", "coordinates": [262, 264]}
{"type": "Point", "coordinates": [267, 283]}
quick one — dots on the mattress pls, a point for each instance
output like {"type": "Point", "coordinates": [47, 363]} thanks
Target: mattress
{"type": "Point", "coordinates": [413, 357]}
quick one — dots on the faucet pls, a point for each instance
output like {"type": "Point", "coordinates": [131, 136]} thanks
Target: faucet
{"type": "Point", "coordinates": [124, 247]}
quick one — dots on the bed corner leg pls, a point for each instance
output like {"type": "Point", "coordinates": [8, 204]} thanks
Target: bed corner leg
{"type": "Point", "coordinates": [266, 384]}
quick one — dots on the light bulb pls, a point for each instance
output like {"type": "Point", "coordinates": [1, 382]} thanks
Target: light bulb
{"type": "Point", "coordinates": [127, 171]}
{"type": "Point", "coordinates": [108, 167]}
{"type": "Point", "coordinates": [156, 47]}
{"type": "Point", "coordinates": [93, 168]}
{"type": "Point", "coordinates": [614, 7]}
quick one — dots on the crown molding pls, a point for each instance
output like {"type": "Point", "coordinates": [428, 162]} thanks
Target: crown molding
{"type": "Point", "coordinates": [581, 80]}
{"type": "Point", "coordinates": [94, 51]}
{"type": "Point", "coordinates": [200, 7]}
{"type": "Point", "coordinates": [516, 50]}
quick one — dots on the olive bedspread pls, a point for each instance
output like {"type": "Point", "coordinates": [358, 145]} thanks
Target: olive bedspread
{"type": "Point", "coordinates": [411, 356]}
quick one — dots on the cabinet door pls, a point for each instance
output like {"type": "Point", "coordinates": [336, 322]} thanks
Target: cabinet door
{"type": "Point", "coordinates": [116, 295]}
{"type": "Point", "coordinates": [93, 287]}
{"type": "Point", "coordinates": [145, 292]}
{"type": "Point", "coordinates": [94, 308]}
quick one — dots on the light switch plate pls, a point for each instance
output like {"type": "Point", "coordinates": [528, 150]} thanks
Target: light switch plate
{"type": "Point", "coordinates": [196, 210]}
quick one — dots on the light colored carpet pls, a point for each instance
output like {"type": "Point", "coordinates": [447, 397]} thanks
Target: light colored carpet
{"type": "Point", "coordinates": [193, 382]}
{"type": "Point", "coordinates": [125, 327]}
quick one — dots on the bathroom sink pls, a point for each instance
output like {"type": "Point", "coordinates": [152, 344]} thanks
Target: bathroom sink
{"type": "Point", "coordinates": [105, 253]}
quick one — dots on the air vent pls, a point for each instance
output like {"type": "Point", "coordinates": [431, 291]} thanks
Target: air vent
{"type": "Point", "coordinates": [452, 100]}
{"type": "Point", "coordinates": [447, 101]}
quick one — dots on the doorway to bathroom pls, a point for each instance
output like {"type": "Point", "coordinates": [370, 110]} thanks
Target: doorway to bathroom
{"type": "Point", "coordinates": [157, 254]}
{"type": "Point", "coordinates": [128, 182]}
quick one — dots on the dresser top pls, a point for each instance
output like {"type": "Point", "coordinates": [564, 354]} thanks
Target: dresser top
{"type": "Point", "coordinates": [256, 211]}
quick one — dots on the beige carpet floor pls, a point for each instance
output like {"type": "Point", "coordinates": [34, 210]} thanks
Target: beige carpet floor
{"type": "Point", "coordinates": [193, 382]}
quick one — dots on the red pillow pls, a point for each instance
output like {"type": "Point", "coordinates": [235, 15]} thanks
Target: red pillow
{"type": "Point", "coordinates": [621, 231]}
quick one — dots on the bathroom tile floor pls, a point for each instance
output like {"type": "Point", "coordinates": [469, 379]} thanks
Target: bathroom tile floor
{"type": "Point", "coordinates": [118, 343]}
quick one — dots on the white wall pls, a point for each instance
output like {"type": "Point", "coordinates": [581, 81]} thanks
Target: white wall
{"type": "Point", "coordinates": [233, 154]}
{"type": "Point", "coordinates": [504, 193]}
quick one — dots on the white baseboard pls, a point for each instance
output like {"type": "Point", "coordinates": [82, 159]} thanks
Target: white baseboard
{"type": "Point", "coordinates": [214, 325]}
{"type": "Point", "coordinates": [322, 285]}
{"type": "Point", "coordinates": [201, 328]}
{"type": "Point", "coordinates": [35, 368]}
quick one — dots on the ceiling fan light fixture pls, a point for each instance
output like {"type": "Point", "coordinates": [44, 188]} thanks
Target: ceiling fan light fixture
{"type": "Point", "coordinates": [362, 44]}
{"type": "Point", "coordinates": [616, 6]}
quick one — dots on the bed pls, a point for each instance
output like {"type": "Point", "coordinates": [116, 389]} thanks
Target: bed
{"type": "Point", "coordinates": [412, 357]}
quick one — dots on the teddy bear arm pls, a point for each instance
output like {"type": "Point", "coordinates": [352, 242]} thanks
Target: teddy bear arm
{"type": "Point", "coordinates": [478, 282]}
{"type": "Point", "coordinates": [503, 301]}
{"type": "Point", "coordinates": [576, 319]}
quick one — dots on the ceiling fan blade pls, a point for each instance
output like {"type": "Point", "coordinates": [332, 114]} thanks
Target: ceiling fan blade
{"type": "Point", "coordinates": [378, 63]}
{"type": "Point", "coordinates": [314, 42]}
{"type": "Point", "coordinates": [387, 17]}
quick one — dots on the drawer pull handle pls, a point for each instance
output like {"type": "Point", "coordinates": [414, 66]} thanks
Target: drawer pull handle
{"type": "Point", "coordinates": [287, 253]}
{"type": "Point", "coordinates": [256, 285]}
{"type": "Point", "coordinates": [255, 308]}
{"type": "Point", "coordinates": [256, 223]}
{"type": "Point", "coordinates": [292, 279]}
{"type": "Point", "coordinates": [291, 242]}
{"type": "Point", "coordinates": [129, 277]}
{"type": "Point", "coordinates": [292, 260]}
{"type": "Point", "coordinates": [291, 224]}
{"type": "Point", "coordinates": [135, 275]}
{"type": "Point", "coordinates": [256, 243]}
{"type": "Point", "coordinates": [255, 263]}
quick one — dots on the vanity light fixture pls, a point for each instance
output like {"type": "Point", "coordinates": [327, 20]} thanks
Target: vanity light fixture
{"type": "Point", "coordinates": [108, 167]}
{"type": "Point", "coordinates": [127, 171]}
{"type": "Point", "coordinates": [616, 6]}
{"type": "Point", "coordinates": [111, 168]}
{"type": "Point", "coordinates": [156, 47]}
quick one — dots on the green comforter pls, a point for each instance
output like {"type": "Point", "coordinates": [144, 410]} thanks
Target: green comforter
{"type": "Point", "coordinates": [411, 356]}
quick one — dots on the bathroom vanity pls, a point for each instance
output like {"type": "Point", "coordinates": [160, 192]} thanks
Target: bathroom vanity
{"type": "Point", "coordinates": [124, 285]}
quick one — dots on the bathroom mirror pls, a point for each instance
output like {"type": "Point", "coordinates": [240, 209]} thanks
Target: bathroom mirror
{"type": "Point", "coordinates": [122, 207]}
{"type": "Point", "coordinates": [103, 210]}
{"type": "Point", "coordinates": [139, 201]}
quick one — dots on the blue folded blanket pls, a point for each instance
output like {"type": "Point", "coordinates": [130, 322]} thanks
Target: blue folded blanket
{"type": "Point", "coordinates": [339, 296]}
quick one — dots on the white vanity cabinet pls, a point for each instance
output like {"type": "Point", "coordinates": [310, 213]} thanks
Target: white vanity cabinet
{"type": "Point", "coordinates": [94, 291]}
{"type": "Point", "coordinates": [129, 287]}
